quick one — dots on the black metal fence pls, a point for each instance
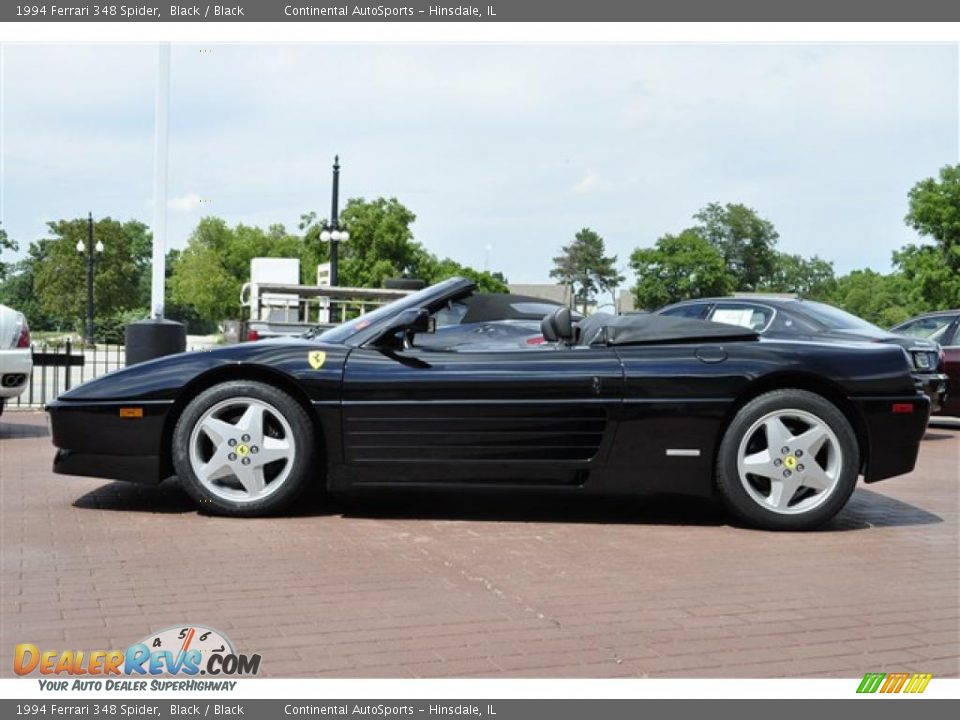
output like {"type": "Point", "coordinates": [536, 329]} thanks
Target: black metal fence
{"type": "Point", "coordinates": [60, 366]}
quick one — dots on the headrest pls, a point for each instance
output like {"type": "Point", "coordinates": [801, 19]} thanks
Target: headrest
{"type": "Point", "coordinates": [558, 326]}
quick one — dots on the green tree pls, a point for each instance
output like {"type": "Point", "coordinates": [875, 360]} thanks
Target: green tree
{"type": "Point", "coordinates": [746, 242]}
{"type": "Point", "coordinates": [932, 283]}
{"type": "Point", "coordinates": [432, 269]}
{"type": "Point", "coordinates": [810, 277]}
{"type": "Point", "coordinates": [382, 246]}
{"type": "Point", "coordinates": [208, 274]}
{"type": "Point", "coordinates": [584, 266]}
{"type": "Point", "coordinates": [935, 213]}
{"type": "Point", "coordinates": [16, 291]}
{"type": "Point", "coordinates": [678, 267]}
{"type": "Point", "coordinates": [58, 271]}
{"type": "Point", "coordinates": [881, 299]}
{"type": "Point", "coordinates": [7, 245]}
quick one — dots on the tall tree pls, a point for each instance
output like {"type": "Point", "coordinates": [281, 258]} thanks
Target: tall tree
{"type": "Point", "coordinates": [59, 271]}
{"type": "Point", "coordinates": [7, 245]}
{"type": "Point", "coordinates": [382, 246]}
{"type": "Point", "coordinates": [208, 274]}
{"type": "Point", "coordinates": [746, 241]}
{"type": "Point", "coordinates": [584, 266]}
{"type": "Point", "coordinates": [935, 213]}
{"type": "Point", "coordinates": [678, 267]}
{"type": "Point", "coordinates": [810, 277]}
{"type": "Point", "coordinates": [881, 299]}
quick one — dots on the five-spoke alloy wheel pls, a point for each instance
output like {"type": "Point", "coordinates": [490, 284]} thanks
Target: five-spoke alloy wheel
{"type": "Point", "coordinates": [789, 460]}
{"type": "Point", "coordinates": [244, 448]}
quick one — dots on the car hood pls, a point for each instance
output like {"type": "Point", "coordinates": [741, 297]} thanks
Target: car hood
{"type": "Point", "coordinates": [158, 379]}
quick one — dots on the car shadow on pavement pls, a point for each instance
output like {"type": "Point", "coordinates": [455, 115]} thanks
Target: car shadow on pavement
{"type": "Point", "coordinates": [168, 497]}
{"type": "Point", "coordinates": [866, 509]}
{"type": "Point", "coordinates": [16, 431]}
{"type": "Point", "coordinates": [546, 508]}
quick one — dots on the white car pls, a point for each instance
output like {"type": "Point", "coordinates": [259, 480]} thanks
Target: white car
{"type": "Point", "coordinates": [16, 358]}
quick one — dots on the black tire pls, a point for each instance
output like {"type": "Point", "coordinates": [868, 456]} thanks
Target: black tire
{"type": "Point", "coordinates": [732, 488]}
{"type": "Point", "coordinates": [301, 474]}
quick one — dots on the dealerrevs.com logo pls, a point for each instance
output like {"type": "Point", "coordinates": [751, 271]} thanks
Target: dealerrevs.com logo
{"type": "Point", "coordinates": [186, 650]}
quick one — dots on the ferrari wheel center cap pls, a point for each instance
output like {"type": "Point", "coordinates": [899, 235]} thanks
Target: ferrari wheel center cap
{"type": "Point", "coordinates": [790, 462]}
{"type": "Point", "coordinates": [242, 450]}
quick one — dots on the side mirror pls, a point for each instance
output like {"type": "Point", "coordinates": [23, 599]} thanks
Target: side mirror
{"type": "Point", "coordinates": [410, 322]}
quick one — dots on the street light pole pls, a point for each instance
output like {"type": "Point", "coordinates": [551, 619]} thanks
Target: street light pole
{"type": "Point", "coordinates": [334, 218]}
{"type": "Point", "coordinates": [90, 279]}
{"type": "Point", "coordinates": [333, 233]}
{"type": "Point", "coordinates": [88, 249]}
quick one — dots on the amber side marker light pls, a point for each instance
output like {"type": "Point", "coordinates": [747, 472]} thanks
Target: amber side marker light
{"type": "Point", "coordinates": [131, 412]}
{"type": "Point", "coordinates": [902, 408]}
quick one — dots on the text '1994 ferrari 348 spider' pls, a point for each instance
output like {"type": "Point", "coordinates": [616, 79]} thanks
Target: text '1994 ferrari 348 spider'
{"type": "Point", "coordinates": [780, 429]}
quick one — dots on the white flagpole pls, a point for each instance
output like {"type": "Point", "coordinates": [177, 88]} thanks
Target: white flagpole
{"type": "Point", "coordinates": [161, 134]}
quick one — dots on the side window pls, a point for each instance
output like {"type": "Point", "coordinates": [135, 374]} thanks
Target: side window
{"type": "Point", "coordinates": [755, 317]}
{"type": "Point", "coordinates": [693, 310]}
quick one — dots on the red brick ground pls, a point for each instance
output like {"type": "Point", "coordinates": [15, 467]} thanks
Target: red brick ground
{"type": "Point", "coordinates": [452, 586]}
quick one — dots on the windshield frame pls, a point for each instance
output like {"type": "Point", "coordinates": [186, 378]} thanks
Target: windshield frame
{"type": "Point", "coordinates": [349, 333]}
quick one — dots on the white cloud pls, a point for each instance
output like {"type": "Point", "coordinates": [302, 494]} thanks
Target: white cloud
{"type": "Point", "coordinates": [189, 202]}
{"type": "Point", "coordinates": [486, 141]}
{"type": "Point", "coordinates": [587, 183]}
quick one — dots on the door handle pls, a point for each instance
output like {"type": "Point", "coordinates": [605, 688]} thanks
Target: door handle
{"type": "Point", "coordinates": [597, 387]}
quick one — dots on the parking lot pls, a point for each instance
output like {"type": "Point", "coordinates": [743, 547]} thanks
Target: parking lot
{"type": "Point", "coordinates": [430, 586]}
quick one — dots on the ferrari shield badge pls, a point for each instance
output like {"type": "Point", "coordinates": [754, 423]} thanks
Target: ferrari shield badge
{"type": "Point", "coordinates": [316, 358]}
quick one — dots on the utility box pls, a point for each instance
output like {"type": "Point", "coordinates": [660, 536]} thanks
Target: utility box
{"type": "Point", "coordinates": [274, 306]}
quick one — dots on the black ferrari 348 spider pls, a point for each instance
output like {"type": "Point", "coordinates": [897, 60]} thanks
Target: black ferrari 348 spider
{"type": "Point", "coordinates": [780, 429]}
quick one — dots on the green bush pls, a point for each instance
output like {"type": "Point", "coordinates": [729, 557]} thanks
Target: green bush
{"type": "Point", "coordinates": [111, 330]}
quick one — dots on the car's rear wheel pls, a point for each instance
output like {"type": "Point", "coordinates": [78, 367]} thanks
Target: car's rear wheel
{"type": "Point", "coordinates": [788, 461]}
{"type": "Point", "coordinates": [244, 448]}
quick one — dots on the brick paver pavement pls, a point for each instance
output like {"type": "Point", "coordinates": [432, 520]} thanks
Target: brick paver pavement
{"type": "Point", "coordinates": [433, 585]}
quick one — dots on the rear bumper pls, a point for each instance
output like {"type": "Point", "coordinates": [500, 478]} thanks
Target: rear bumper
{"type": "Point", "coordinates": [94, 439]}
{"type": "Point", "coordinates": [893, 433]}
{"type": "Point", "coordinates": [15, 368]}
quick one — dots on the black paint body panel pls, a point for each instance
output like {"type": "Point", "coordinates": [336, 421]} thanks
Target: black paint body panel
{"type": "Point", "coordinates": [589, 419]}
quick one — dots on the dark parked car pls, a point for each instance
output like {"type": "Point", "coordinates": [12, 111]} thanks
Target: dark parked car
{"type": "Point", "coordinates": [942, 327]}
{"type": "Point", "coordinates": [788, 318]}
{"type": "Point", "coordinates": [781, 430]}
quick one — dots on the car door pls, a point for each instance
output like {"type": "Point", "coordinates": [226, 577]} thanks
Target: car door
{"type": "Point", "coordinates": [543, 415]}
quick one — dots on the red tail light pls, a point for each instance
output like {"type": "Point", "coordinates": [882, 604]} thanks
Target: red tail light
{"type": "Point", "coordinates": [23, 340]}
{"type": "Point", "coordinates": [538, 340]}
{"type": "Point", "coordinates": [902, 408]}
{"type": "Point", "coordinates": [252, 335]}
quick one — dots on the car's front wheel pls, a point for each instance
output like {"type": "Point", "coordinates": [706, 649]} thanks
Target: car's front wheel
{"type": "Point", "coordinates": [244, 448]}
{"type": "Point", "coordinates": [788, 461]}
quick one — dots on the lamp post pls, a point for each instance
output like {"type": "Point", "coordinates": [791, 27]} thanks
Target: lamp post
{"type": "Point", "coordinates": [332, 232]}
{"type": "Point", "coordinates": [90, 248]}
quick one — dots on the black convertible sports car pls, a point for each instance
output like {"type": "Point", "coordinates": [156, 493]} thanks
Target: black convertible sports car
{"type": "Point", "coordinates": [780, 429]}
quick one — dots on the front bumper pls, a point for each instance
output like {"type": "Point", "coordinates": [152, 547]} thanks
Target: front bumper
{"type": "Point", "coordinates": [934, 386]}
{"type": "Point", "coordinates": [96, 439]}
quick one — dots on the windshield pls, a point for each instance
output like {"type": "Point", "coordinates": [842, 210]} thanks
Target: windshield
{"type": "Point", "coordinates": [834, 318]}
{"type": "Point", "coordinates": [341, 333]}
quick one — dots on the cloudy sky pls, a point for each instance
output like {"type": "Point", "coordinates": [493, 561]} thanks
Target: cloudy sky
{"type": "Point", "coordinates": [514, 147]}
